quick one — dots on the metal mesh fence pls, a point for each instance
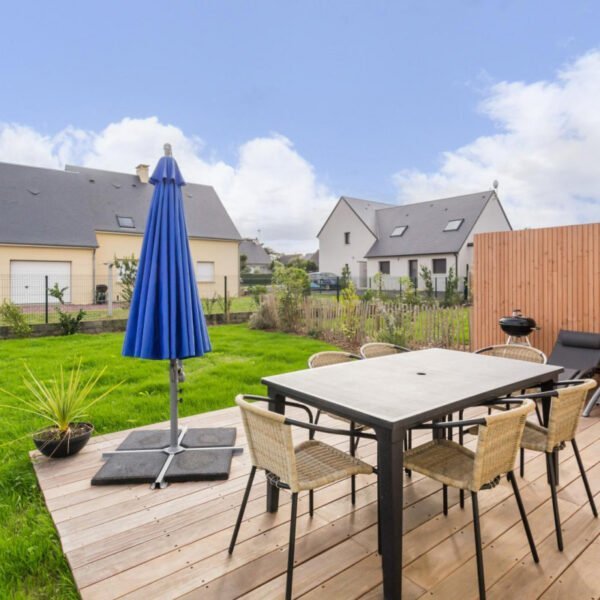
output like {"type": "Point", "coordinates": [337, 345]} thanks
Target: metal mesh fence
{"type": "Point", "coordinates": [40, 296]}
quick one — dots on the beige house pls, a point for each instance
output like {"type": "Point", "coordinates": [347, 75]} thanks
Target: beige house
{"type": "Point", "coordinates": [70, 225]}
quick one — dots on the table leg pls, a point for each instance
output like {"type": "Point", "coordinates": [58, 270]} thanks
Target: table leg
{"type": "Point", "coordinates": [390, 458]}
{"type": "Point", "coordinates": [272, 491]}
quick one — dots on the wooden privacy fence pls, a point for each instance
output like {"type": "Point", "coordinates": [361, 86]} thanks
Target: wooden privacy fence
{"type": "Point", "coordinates": [551, 274]}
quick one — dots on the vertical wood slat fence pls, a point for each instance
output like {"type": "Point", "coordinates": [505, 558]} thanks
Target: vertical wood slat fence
{"type": "Point", "coordinates": [551, 274]}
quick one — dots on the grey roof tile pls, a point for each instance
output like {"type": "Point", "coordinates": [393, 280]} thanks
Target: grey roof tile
{"type": "Point", "coordinates": [426, 222]}
{"type": "Point", "coordinates": [65, 208]}
{"type": "Point", "coordinates": [255, 253]}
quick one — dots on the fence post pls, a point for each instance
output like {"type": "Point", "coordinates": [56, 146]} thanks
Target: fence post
{"type": "Point", "coordinates": [110, 290]}
{"type": "Point", "coordinates": [337, 289]}
{"type": "Point", "coordinates": [225, 299]}
{"type": "Point", "coordinates": [46, 299]}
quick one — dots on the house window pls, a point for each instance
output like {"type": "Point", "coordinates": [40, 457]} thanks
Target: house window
{"type": "Point", "coordinates": [439, 266]}
{"type": "Point", "coordinates": [126, 222]}
{"type": "Point", "coordinates": [347, 237]}
{"type": "Point", "coordinates": [384, 267]}
{"type": "Point", "coordinates": [205, 272]}
{"type": "Point", "coordinates": [399, 231]}
{"type": "Point", "coordinates": [454, 225]}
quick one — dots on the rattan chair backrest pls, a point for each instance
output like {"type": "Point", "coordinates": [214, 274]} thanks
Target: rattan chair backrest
{"type": "Point", "coordinates": [565, 411]}
{"type": "Point", "coordinates": [498, 443]}
{"type": "Point", "coordinates": [515, 351]}
{"type": "Point", "coordinates": [330, 357]}
{"type": "Point", "coordinates": [375, 349]}
{"type": "Point", "coordinates": [269, 442]}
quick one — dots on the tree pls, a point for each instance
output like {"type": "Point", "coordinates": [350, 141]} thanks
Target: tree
{"type": "Point", "coordinates": [244, 268]}
{"type": "Point", "coordinates": [292, 285]}
{"type": "Point", "coordinates": [451, 295]}
{"type": "Point", "coordinates": [428, 281]}
{"type": "Point", "coordinates": [127, 268]}
{"type": "Point", "coordinates": [306, 265]}
{"type": "Point", "coordinates": [346, 277]}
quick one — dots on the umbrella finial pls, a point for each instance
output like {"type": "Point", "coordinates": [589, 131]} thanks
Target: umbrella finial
{"type": "Point", "coordinates": [168, 150]}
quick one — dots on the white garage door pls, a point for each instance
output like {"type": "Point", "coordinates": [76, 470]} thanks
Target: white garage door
{"type": "Point", "coordinates": [28, 277]}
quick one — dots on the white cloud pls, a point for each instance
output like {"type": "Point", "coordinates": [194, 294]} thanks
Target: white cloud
{"type": "Point", "coordinates": [270, 188]}
{"type": "Point", "coordinates": [545, 154]}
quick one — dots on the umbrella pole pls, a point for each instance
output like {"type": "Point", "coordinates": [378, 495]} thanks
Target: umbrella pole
{"type": "Point", "coordinates": [174, 446]}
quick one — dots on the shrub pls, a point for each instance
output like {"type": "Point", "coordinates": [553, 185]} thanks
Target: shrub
{"type": "Point", "coordinates": [257, 292]}
{"type": "Point", "coordinates": [292, 286]}
{"type": "Point", "coordinates": [266, 315]}
{"type": "Point", "coordinates": [408, 292]}
{"type": "Point", "coordinates": [13, 316]}
{"type": "Point", "coordinates": [451, 295]}
{"type": "Point", "coordinates": [69, 323]}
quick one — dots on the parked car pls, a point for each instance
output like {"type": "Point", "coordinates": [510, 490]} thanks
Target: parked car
{"type": "Point", "coordinates": [323, 281]}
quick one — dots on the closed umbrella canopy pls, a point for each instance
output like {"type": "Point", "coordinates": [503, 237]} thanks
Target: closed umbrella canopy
{"type": "Point", "coordinates": [166, 319]}
{"type": "Point", "coordinates": [166, 322]}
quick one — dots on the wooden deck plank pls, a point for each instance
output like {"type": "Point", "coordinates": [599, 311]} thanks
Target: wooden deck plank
{"type": "Point", "coordinates": [131, 542]}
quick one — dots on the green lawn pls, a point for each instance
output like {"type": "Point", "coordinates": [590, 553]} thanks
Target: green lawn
{"type": "Point", "coordinates": [31, 563]}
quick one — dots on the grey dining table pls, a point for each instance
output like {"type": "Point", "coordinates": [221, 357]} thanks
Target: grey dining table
{"type": "Point", "coordinates": [393, 393]}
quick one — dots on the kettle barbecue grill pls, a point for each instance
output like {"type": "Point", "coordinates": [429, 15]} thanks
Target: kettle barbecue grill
{"type": "Point", "coordinates": [518, 328]}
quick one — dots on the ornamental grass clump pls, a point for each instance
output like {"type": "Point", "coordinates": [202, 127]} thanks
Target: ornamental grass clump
{"type": "Point", "coordinates": [64, 402]}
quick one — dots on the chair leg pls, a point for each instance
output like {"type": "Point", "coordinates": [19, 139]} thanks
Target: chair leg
{"type": "Point", "coordinates": [292, 548]}
{"type": "Point", "coordinates": [445, 499]}
{"type": "Point", "coordinates": [311, 503]}
{"type": "Point", "coordinates": [478, 550]}
{"type": "Point", "coordinates": [522, 462]}
{"type": "Point", "coordinates": [461, 495]}
{"type": "Point", "coordinates": [240, 516]}
{"type": "Point", "coordinates": [449, 430]}
{"type": "Point", "coordinates": [586, 483]}
{"type": "Point", "coordinates": [461, 437]}
{"type": "Point", "coordinates": [552, 478]}
{"type": "Point", "coordinates": [353, 478]}
{"type": "Point", "coordinates": [517, 493]}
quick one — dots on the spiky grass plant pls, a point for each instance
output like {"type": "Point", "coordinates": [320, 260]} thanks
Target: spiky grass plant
{"type": "Point", "coordinates": [64, 401]}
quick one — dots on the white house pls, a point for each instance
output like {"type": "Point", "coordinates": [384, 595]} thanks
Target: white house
{"type": "Point", "coordinates": [396, 240]}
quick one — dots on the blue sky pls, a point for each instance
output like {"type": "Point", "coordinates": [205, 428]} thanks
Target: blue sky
{"type": "Point", "coordinates": [362, 90]}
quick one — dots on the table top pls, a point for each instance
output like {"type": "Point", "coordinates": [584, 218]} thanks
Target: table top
{"type": "Point", "coordinates": [409, 388]}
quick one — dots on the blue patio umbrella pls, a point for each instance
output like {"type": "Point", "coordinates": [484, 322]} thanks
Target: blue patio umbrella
{"type": "Point", "coordinates": [165, 317]}
{"type": "Point", "coordinates": [165, 322]}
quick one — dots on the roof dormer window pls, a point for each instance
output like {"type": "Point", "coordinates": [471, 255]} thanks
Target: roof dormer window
{"type": "Point", "coordinates": [454, 225]}
{"type": "Point", "coordinates": [399, 231]}
{"type": "Point", "coordinates": [126, 222]}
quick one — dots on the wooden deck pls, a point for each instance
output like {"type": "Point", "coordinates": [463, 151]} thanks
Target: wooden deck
{"type": "Point", "coordinates": [132, 542]}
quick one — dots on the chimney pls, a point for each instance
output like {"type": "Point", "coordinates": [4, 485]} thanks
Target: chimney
{"type": "Point", "coordinates": [142, 171]}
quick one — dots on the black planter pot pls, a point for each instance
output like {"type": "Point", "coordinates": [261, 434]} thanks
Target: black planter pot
{"type": "Point", "coordinates": [63, 447]}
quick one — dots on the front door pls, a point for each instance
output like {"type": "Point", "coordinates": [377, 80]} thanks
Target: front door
{"type": "Point", "coordinates": [413, 271]}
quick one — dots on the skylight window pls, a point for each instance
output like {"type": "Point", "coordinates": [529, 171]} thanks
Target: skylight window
{"type": "Point", "coordinates": [399, 231]}
{"type": "Point", "coordinates": [126, 222]}
{"type": "Point", "coordinates": [454, 225]}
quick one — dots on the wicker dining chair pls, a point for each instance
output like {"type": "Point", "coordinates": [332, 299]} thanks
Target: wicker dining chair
{"type": "Point", "coordinates": [450, 463]}
{"type": "Point", "coordinates": [567, 402]}
{"type": "Point", "coordinates": [304, 467]}
{"type": "Point", "coordinates": [334, 357]}
{"type": "Point", "coordinates": [375, 349]}
{"type": "Point", "coordinates": [516, 352]}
